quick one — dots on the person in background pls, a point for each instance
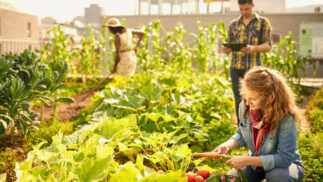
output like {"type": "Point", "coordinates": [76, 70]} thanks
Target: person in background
{"type": "Point", "coordinates": [268, 116]}
{"type": "Point", "coordinates": [125, 59]}
{"type": "Point", "coordinates": [253, 30]}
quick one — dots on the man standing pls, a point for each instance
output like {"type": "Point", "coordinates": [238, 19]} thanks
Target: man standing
{"type": "Point", "coordinates": [253, 30]}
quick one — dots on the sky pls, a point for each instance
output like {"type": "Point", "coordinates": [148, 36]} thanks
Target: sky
{"type": "Point", "coordinates": [66, 10]}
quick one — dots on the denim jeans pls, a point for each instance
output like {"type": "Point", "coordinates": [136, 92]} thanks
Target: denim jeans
{"type": "Point", "coordinates": [236, 75]}
{"type": "Point", "coordinates": [294, 173]}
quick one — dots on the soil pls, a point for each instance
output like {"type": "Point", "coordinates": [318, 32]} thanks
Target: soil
{"type": "Point", "coordinates": [66, 111]}
{"type": "Point", "coordinates": [304, 125]}
{"type": "Point", "coordinates": [17, 153]}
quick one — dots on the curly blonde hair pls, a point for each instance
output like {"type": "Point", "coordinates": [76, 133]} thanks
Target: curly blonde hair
{"type": "Point", "coordinates": [270, 84]}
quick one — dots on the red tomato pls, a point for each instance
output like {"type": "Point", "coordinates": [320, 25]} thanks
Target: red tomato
{"type": "Point", "coordinates": [204, 173]}
{"type": "Point", "coordinates": [198, 179]}
{"type": "Point", "coordinates": [190, 177]}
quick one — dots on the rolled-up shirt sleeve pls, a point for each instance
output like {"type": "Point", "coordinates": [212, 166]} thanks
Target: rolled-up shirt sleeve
{"type": "Point", "coordinates": [266, 32]}
{"type": "Point", "coordinates": [238, 135]}
{"type": "Point", "coordinates": [286, 146]}
{"type": "Point", "coordinates": [267, 161]}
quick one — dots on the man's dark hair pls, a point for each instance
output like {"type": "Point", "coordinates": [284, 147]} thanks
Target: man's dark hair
{"type": "Point", "coordinates": [245, 1]}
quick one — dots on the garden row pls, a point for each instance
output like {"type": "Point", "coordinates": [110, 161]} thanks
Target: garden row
{"type": "Point", "coordinates": [139, 129]}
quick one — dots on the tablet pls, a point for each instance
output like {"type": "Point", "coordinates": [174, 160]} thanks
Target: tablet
{"type": "Point", "coordinates": [235, 46]}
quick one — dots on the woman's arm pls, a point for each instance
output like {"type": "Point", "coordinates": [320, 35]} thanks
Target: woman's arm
{"type": "Point", "coordinates": [225, 147]}
{"type": "Point", "coordinates": [141, 36]}
{"type": "Point", "coordinates": [239, 162]}
{"type": "Point", "coordinates": [117, 58]}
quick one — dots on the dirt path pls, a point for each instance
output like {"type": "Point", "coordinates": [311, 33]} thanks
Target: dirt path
{"type": "Point", "coordinates": [66, 111]}
{"type": "Point", "coordinates": [304, 126]}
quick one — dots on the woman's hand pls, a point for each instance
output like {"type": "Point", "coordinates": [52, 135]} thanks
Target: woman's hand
{"type": "Point", "coordinates": [237, 162]}
{"type": "Point", "coordinates": [221, 149]}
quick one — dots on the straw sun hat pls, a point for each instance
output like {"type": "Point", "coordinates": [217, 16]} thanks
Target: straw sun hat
{"type": "Point", "coordinates": [113, 22]}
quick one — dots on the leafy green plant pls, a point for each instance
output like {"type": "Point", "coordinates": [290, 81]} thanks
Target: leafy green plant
{"type": "Point", "coordinates": [316, 101]}
{"type": "Point", "coordinates": [88, 59]}
{"type": "Point", "coordinates": [25, 79]}
{"type": "Point", "coordinates": [285, 59]}
{"type": "Point", "coordinates": [22, 83]}
{"type": "Point", "coordinates": [177, 50]}
{"type": "Point", "coordinates": [310, 147]}
{"type": "Point", "coordinates": [314, 111]}
{"type": "Point", "coordinates": [8, 158]}
{"type": "Point", "coordinates": [3, 177]}
{"type": "Point", "coordinates": [91, 54]}
{"type": "Point", "coordinates": [316, 120]}
{"type": "Point", "coordinates": [204, 47]}
{"type": "Point", "coordinates": [57, 49]}
{"type": "Point", "coordinates": [134, 118]}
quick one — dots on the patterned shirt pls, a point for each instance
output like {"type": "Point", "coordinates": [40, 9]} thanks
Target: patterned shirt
{"type": "Point", "coordinates": [257, 32]}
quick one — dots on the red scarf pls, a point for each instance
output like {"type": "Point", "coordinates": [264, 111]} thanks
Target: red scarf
{"type": "Point", "coordinates": [259, 129]}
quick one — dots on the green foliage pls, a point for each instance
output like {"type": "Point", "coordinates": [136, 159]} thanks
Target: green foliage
{"type": "Point", "coordinates": [130, 172]}
{"type": "Point", "coordinates": [3, 177]}
{"type": "Point", "coordinates": [178, 54]}
{"type": "Point", "coordinates": [311, 150]}
{"type": "Point", "coordinates": [316, 101]}
{"type": "Point", "coordinates": [57, 49]}
{"type": "Point", "coordinates": [86, 156]}
{"type": "Point", "coordinates": [25, 79]}
{"type": "Point", "coordinates": [46, 130]}
{"type": "Point", "coordinates": [147, 123]}
{"type": "Point", "coordinates": [204, 47]}
{"type": "Point", "coordinates": [316, 120]}
{"type": "Point", "coordinates": [22, 82]}
{"type": "Point", "coordinates": [314, 110]}
{"type": "Point", "coordinates": [8, 159]}
{"type": "Point", "coordinates": [199, 105]}
{"type": "Point", "coordinates": [88, 59]}
{"type": "Point", "coordinates": [176, 51]}
{"type": "Point", "coordinates": [91, 55]}
{"type": "Point", "coordinates": [150, 53]}
{"type": "Point", "coordinates": [285, 59]}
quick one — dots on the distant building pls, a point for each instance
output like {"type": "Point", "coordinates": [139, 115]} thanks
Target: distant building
{"type": "Point", "coordinates": [93, 15]}
{"type": "Point", "coordinates": [48, 20]}
{"type": "Point", "coordinates": [175, 7]}
{"type": "Point", "coordinates": [18, 31]}
{"type": "Point", "coordinates": [49, 23]}
{"type": "Point", "coordinates": [263, 6]}
{"type": "Point", "coordinates": [306, 9]}
{"type": "Point", "coordinates": [7, 6]}
{"type": "Point", "coordinates": [167, 7]}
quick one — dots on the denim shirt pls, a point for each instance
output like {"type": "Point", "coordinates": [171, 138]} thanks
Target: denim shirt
{"type": "Point", "coordinates": [278, 150]}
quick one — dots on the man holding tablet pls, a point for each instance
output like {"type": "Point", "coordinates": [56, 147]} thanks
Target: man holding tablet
{"type": "Point", "coordinates": [251, 33]}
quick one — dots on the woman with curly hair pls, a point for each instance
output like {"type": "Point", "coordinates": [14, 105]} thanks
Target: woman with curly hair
{"type": "Point", "coordinates": [269, 114]}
